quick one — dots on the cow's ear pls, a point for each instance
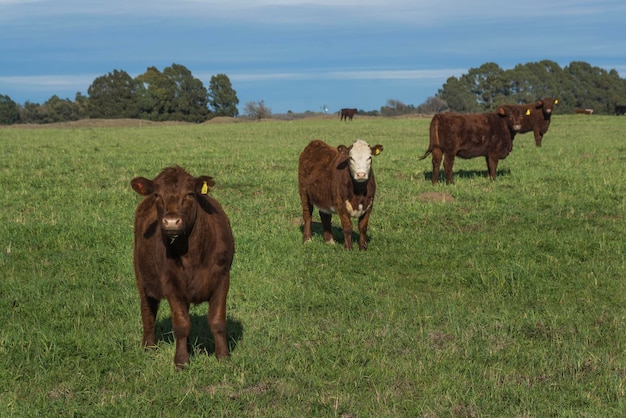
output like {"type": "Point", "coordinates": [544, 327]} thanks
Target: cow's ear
{"type": "Point", "coordinates": [538, 103]}
{"type": "Point", "coordinates": [343, 149]}
{"type": "Point", "coordinates": [142, 185]}
{"type": "Point", "coordinates": [501, 111]}
{"type": "Point", "coordinates": [204, 184]}
{"type": "Point", "coordinates": [376, 149]}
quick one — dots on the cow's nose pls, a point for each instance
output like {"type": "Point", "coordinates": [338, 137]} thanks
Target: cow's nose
{"type": "Point", "coordinates": [361, 174]}
{"type": "Point", "coordinates": [171, 223]}
{"type": "Point", "coordinates": [517, 127]}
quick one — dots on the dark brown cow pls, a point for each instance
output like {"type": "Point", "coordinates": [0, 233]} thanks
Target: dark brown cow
{"type": "Point", "coordinates": [473, 135]}
{"type": "Point", "coordinates": [347, 113]}
{"type": "Point", "coordinates": [540, 114]}
{"type": "Point", "coordinates": [184, 248]}
{"type": "Point", "coordinates": [620, 110]}
{"type": "Point", "coordinates": [337, 180]}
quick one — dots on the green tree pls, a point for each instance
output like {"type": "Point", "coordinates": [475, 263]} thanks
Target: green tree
{"type": "Point", "coordinates": [115, 95]}
{"type": "Point", "coordinates": [458, 95]}
{"type": "Point", "coordinates": [222, 97]}
{"type": "Point", "coordinates": [173, 94]}
{"type": "Point", "coordinates": [190, 95]}
{"type": "Point", "coordinates": [156, 95]}
{"type": "Point", "coordinates": [59, 110]}
{"type": "Point", "coordinates": [9, 111]}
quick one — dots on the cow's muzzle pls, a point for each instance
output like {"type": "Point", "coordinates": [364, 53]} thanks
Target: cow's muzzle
{"type": "Point", "coordinates": [172, 226]}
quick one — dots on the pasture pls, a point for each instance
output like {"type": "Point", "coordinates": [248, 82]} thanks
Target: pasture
{"type": "Point", "coordinates": [483, 298]}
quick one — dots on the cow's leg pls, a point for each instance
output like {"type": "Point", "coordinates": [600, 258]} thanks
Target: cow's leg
{"type": "Point", "coordinates": [181, 324]}
{"type": "Point", "coordinates": [538, 137]}
{"type": "Point", "coordinates": [363, 222]}
{"type": "Point", "coordinates": [448, 163]}
{"type": "Point", "coordinates": [307, 215]}
{"type": "Point", "coordinates": [492, 166]}
{"type": "Point", "coordinates": [346, 226]}
{"type": "Point", "coordinates": [149, 309]}
{"type": "Point", "coordinates": [327, 227]}
{"type": "Point", "coordinates": [437, 155]}
{"type": "Point", "coordinates": [217, 316]}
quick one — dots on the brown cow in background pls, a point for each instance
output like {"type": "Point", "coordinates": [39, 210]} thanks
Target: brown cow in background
{"type": "Point", "coordinates": [472, 135]}
{"type": "Point", "coordinates": [337, 180]}
{"type": "Point", "coordinates": [347, 113]}
{"type": "Point", "coordinates": [184, 248]}
{"type": "Point", "coordinates": [539, 114]}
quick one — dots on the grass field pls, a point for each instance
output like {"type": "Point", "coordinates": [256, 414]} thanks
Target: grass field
{"type": "Point", "coordinates": [483, 298]}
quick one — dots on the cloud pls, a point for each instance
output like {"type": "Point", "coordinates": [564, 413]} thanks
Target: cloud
{"type": "Point", "coordinates": [345, 75]}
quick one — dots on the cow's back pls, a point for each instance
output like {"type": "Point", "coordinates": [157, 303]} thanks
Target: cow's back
{"type": "Point", "coordinates": [317, 172]}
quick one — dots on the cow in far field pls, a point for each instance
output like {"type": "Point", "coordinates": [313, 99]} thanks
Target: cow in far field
{"type": "Point", "coordinates": [347, 113]}
{"type": "Point", "coordinates": [539, 114]}
{"type": "Point", "coordinates": [337, 180]}
{"type": "Point", "coordinates": [620, 110]}
{"type": "Point", "coordinates": [183, 251]}
{"type": "Point", "coordinates": [472, 135]}
{"type": "Point", "coordinates": [580, 111]}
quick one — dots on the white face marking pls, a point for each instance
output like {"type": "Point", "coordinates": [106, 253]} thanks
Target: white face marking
{"type": "Point", "coordinates": [360, 160]}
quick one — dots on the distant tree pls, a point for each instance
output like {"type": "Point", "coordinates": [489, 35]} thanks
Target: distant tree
{"type": "Point", "coordinates": [432, 105]}
{"type": "Point", "coordinates": [258, 110]}
{"type": "Point", "coordinates": [396, 108]}
{"type": "Point", "coordinates": [222, 97]}
{"type": "Point", "coordinates": [59, 110]}
{"type": "Point", "coordinates": [9, 111]}
{"type": "Point", "coordinates": [115, 95]}
{"type": "Point", "coordinates": [157, 95]}
{"type": "Point", "coordinates": [190, 95]}
{"type": "Point", "coordinates": [459, 96]}
{"type": "Point", "coordinates": [81, 102]}
{"type": "Point", "coordinates": [173, 94]}
{"type": "Point", "coordinates": [32, 113]}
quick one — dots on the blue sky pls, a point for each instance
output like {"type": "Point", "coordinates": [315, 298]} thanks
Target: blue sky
{"type": "Point", "coordinates": [298, 55]}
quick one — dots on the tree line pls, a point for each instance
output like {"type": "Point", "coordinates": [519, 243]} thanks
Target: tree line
{"type": "Point", "coordinates": [577, 86]}
{"type": "Point", "coordinates": [175, 95]}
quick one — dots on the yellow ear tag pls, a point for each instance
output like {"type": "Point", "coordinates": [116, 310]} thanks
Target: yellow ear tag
{"type": "Point", "coordinates": [556, 101]}
{"type": "Point", "coordinates": [377, 151]}
{"type": "Point", "coordinates": [205, 188]}
{"type": "Point", "coordinates": [527, 112]}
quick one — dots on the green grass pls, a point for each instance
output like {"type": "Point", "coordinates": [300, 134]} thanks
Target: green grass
{"type": "Point", "coordinates": [509, 301]}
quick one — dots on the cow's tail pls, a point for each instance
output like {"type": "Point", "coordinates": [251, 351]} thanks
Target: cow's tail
{"type": "Point", "coordinates": [434, 137]}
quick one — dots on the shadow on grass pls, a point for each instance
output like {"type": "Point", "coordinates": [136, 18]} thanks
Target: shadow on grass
{"type": "Point", "coordinates": [318, 230]}
{"type": "Point", "coordinates": [200, 337]}
{"type": "Point", "coordinates": [467, 174]}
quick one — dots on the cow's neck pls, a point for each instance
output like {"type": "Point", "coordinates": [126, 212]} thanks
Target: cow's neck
{"type": "Point", "coordinates": [176, 247]}
{"type": "Point", "coordinates": [360, 188]}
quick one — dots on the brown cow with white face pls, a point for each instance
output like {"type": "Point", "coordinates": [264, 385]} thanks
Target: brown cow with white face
{"type": "Point", "coordinates": [183, 251]}
{"type": "Point", "coordinates": [472, 135]}
{"type": "Point", "coordinates": [337, 180]}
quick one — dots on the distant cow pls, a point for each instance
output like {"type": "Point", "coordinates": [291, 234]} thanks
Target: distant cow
{"type": "Point", "coordinates": [347, 113]}
{"type": "Point", "coordinates": [540, 114]}
{"type": "Point", "coordinates": [620, 110]}
{"type": "Point", "coordinates": [472, 135]}
{"type": "Point", "coordinates": [580, 111]}
{"type": "Point", "coordinates": [337, 180]}
{"type": "Point", "coordinates": [184, 248]}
